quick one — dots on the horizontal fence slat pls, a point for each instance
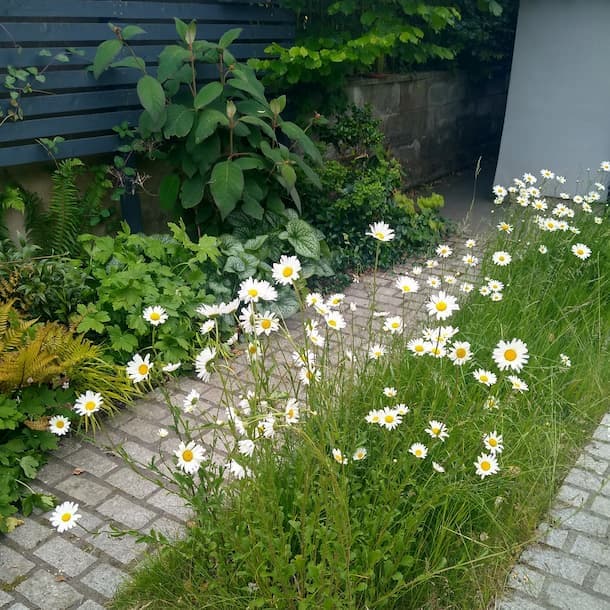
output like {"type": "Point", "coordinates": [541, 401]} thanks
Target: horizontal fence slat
{"type": "Point", "coordinates": [43, 128]}
{"type": "Point", "coordinates": [70, 34]}
{"type": "Point", "coordinates": [33, 153]}
{"type": "Point", "coordinates": [112, 9]}
{"type": "Point", "coordinates": [150, 53]}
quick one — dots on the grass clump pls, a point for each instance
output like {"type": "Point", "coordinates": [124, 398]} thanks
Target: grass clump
{"type": "Point", "coordinates": [328, 499]}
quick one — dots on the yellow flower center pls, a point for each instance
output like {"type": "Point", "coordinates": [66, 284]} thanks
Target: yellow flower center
{"type": "Point", "coordinates": [510, 355]}
{"type": "Point", "coordinates": [484, 378]}
{"type": "Point", "coordinates": [155, 316]}
{"type": "Point", "coordinates": [395, 324]}
{"type": "Point", "coordinates": [406, 288]}
{"type": "Point", "coordinates": [90, 405]}
{"type": "Point", "coordinates": [389, 418]}
{"type": "Point", "coordinates": [59, 423]}
{"type": "Point", "coordinates": [493, 442]}
{"type": "Point", "coordinates": [290, 413]}
{"type": "Point", "coordinates": [253, 292]}
{"type": "Point", "coordinates": [375, 419]}
{"type": "Point", "coordinates": [66, 517]}
{"type": "Point", "coordinates": [187, 455]}
{"type": "Point", "coordinates": [143, 369]}
{"type": "Point", "coordinates": [287, 271]}
{"type": "Point", "coordinates": [419, 348]}
{"type": "Point", "coordinates": [266, 324]}
{"type": "Point", "coordinates": [252, 349]}
{"type": "Point", "coordinates": [436, 431]}
{"type": "Point", "coordinates": [580, 251]}
{"type": "Point", "coordinates": [441, 306]}
{"type": "Point", "coordinates": [460, 352]}
{"type": "Point", "coordinates": [332, 323]}
{"type": "Point", "coordinates": [485, 465]}
{"type": "Point", "coordinates": [379, 235]}
{"type": "Point", "coordinates": [418, 452]}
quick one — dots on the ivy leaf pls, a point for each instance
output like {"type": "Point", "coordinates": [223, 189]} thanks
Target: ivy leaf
{"type": "Point", "coordinates": [105, 55]}
{"type": "Point", "coordinates": [151, 96]}
{"type": "Point", "coordinates": [226, 186]}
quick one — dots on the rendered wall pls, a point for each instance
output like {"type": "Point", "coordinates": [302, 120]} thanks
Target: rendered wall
{"type": "Point", "coordinates": [436, 122]}
{"type": "Point", "coordinates": [558, 109]}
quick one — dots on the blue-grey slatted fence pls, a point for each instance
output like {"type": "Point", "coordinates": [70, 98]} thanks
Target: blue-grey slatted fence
{"type": "Point", "coordinates": [83, 110]}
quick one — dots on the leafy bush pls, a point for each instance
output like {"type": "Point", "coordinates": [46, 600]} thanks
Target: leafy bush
{"type": "Point", "coordinates": [362, 185]}
{"type": "Point", "coordinates": [228, 146]}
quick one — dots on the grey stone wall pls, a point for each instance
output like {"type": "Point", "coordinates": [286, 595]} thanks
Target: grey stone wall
{"type": "Point", "coordinates": [435, 122]}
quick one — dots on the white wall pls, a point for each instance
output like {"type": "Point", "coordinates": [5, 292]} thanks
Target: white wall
{"type": "Point", "coordinates": [558, 108]}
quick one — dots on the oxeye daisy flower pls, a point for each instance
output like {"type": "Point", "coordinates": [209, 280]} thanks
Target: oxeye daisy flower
{"type": "Point", "coordinates": [560, 179]}
{"type": "Point", "coordinates": [407, 284]}
{"type": "Point", "coordinates": [266, 323]}
{"type": "Point", "coordinates": [307, 358]}
{"type": "Point", "coordinates": [246, 318]}
{"type": "Point", "coordinates": [450, 279]}
{"type": "Point", "coordinates": [237, 470]}
{"type": "Point", "coordinates": [494, 443]}
{"type": "Point", "coordinates": [155, 315]}
{"type": "Point", "coordinates": [471, 243]}
{"type": "Point", "coordinates": [334, 300]}
{"type": "Point", "coordinates": [418, 346]}
{"type": "Point", "coordinates": [444, 251]}
{"type": "Point", "coordinates": [511, 355]}
{"type": "Point", "coordinates": [460, 353]}
{"type": "Point", "coordinates": [138, 368]}
{"type": "Point", "coordinates": [170, 367]}
{"type": "Point", "coordinates": [486, 464]}
{"type": "Point", "coordinates": [313, 298]}
{"type": "Point", "coordinates": [505, 227]}
{"type": "Point", "coordinates": [207, 326]}
{"type": "Point", "coordinates": [491, 403]}
{"type": "Point", "coordinates": [466, 287]}
{"type": "Point", "coordinates": [496, 296]}
{"type": "Point", "coordinates": [485, 377]}
{"type": "Point", "coordinates": [547, 173]}
{"type": "Point", "coordinates": [529, 178]}
{"type": "Point", "coordinates": [393, 325]}
{"type": "Point", "coordinates": [191, 401]}
{"type": "Point", "coordinates": [540, 204]}
{"type": "Point", "coordinates": [499, 191]}
{"type": "Point", "coordinates": [204, 357]}
{"type": "Point", "coordinates": [417, 270]}
{"type": "Point", "coordinates": [376, 351]}
{"type": "Point", "coordinates": [322, 308]}
{"type": "Point", "coordinates": [605, 166]}
{"type": "Point", "coordinates": [501, 258]}
{"type": "Point", "coordinates": [598, 220]}
{"type": "Point", "coordinates": [401, 408]}
{"type": "Point", "coordinates": [485, 291]}
{"type": "Point", "coordinates": [359, 454]}
{"type": "Point", "coordinates": [381, 231]}
{"type": "Point", "coordinates": [495, 285]}
{"type": "Point", "coordinates": [437, 350]}
{"type": "Point", "coordinates": [543, 249]}
{"type": "Point", "coordinates": [581, 251]}
{"type": "Point", "coordinates": [287, 270]}
{"type": "Point", "coordinates": [315, 338]}
{"type": "Point", "coordinates": [434, 282]}
{"type": "Point", "coordinates": [59, 425]}
{"type": "Point", "coordinates": [88, 403]}
{"type": "Point", "coordinates": [309, 374]}
{"type": "Point", "coordinates": [437, 429]}
{"type": "Point", "coordinates": [190, 457]}
{"type": "Point", "coordinates": [565, 360]}
{"type": "Point", "coordinates": [389, 418]}
{"type": "Point", "coordinates": [252, 291]}
{"type": "Point", "coordinates": [431, 263]}
{"type": "Point", "coordinates": [335, 320]}
{"type": "Point", "coordinates": [339, 457]}
{"type": "Point", "coordinates": [419, 450]}
{"type": "Point", "coordinates": [291, 411]}
{"type": "Point", "coordinates": [470, 260]}
{"type": "Point", "coordinates": [208, 311]}
{"type": "Point", "coordinates": [162, 433]}
{"type": "Point", "coordinates": [390, 392]}
{"type": "Point", "coordinates": [373, 417]}
{"type": "Point", "coordinates": [586, 208]}
{"type": "Point", "coordinates": [64, 516]}
{"type": "Point", "coordinates": [437, 467]}
{"type": "Point", "coordinates": [246, 447]}
{"type": "Point", "coordinates": [518, 384]}
{"type": "Point", "coordinates": [268, 426]}
{"type": "Point", "coordinates": [442, 305]}
{"type": "Point", "coordinates": [254, 351]}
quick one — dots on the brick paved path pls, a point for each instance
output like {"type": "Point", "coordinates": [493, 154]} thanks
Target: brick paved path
{"type": "Point", "coordinates": [40, 569]}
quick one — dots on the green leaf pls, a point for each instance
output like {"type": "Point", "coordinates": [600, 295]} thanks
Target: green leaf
{"type": "Point", "coordinates": [122, 342]}
{"type": "Point", "coordinates": [302, 237]}
{"type": "Point", "coordinates": [226, 186]}
{"type": "Point", "coordinates": [29, 464]}
{"type": "Point", "coordinates": [181, 28]}
{"type": "Point", "coordinates": [151, 96]}
{"type": "Point", "coordinates": [192, 191]}
{"type": "Point", "coordinates": [207, 122]}
{"type": "Point", "coordinates": [207, 94]}
{"type": "Point", "coordinates": [179, 121]}
{"type": "Point", "coordinates": [278, 104]}
{"type": "Point", "coordinates": [254, 120]}
{"type": "Point", "coordinates": [309, 173]}
{"type": "Point", "coordinates": [168, 191]}
{"type": "Point", "coordinates": [253, 208]}
{"type": "Point", "coordinates": [249, 162]}
{"type": "Point", "coordinates": [129, 31]}
{"type": "Point", "coordinates": [228, 37]}
{"type": "Point", "coordinates": [130, 62]}
{"type": "Point", "coordinates": [105, 55]}
{"type": "Point", "coordinates": [289, 175]}
{"type": "Point", "coordinates": [294, 132]}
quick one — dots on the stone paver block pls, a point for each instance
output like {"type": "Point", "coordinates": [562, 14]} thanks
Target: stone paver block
{"type": "Point", "coordinates": [84, 489]}
{"type": "Point", "coordinates": [123, 549]}
{"type": "Point", "coordinates": [139, 453]}
{"type": "Point", "coordinates": [602, 433]}
{"type": "Point", "coordinates": [602, 584]}
{"type": "Point", "coordinates": [151, 410]}
{"type": "Point", "coordinates": [13, 565]}
{"type": "Point", "coordinates": [584, 479]}
{"type": "Point", "coordinates": [126, 512]}
{"type": "Point", "coordinates": [67, 446]}
{"type": "Point", "coordinates": [599, 450]}
{"type": "Point", "coordinates": [45, 591]}
{"type": "Point", "coordinates": [64, 557]}
{"type": "Point", "coordinates": [553, 536]}
{"type": "Point", "coordinates": [18, 606]}
{"type": "Point", "coordinates": [526, 580]}
{"type": "Point", "coordinates": [143, 430]}
{"type": "Point", "coordinates": [105, 579]}
{"type": "Point", "coordinates": [5, 599]}
{"type": "Point", "coordinates": [131, 483]}
{"type": "Point", "coordinates": [588, 462]}
{"type": "Point", "coordinates": [90, 605]}
{"type": "Point", "coordinates": [169, 528]}
{"type": "Point", "coordinates": [54, 471]}
{"type": "Point", "coordinates": [31, 533]}
{"type": "Point", "coordinates": [601, 505]}
{"type": "Point", "coordinates": [581, 521]}
{"type": "Point", "coordinates": [556, 563]}
{"type": "Point", "coordinates": [594, 550]}
{"type": "Point", "coordinates": [572, 496]}
{"type": "Point", "coordinates": [516, 602]}
{"type": "Point", "coordinates": [92, 461]}
{"type": "Point", "coordinates": [170, 503]}
{"type": "Point", "coordinates": [562, 595]}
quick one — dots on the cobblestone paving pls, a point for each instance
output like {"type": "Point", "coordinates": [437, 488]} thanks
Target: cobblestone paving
{"type": "Point", "coordinates": [570, 568]}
